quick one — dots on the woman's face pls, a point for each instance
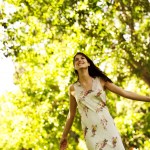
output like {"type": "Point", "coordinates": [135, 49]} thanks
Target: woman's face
{"type": "Point", "coordinates": [80, 62]}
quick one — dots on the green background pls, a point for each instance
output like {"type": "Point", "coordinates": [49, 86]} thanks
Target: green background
{"type": "Point", "coordinates": [41, 37]}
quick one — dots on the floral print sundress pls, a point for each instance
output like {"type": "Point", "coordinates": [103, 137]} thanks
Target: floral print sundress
{"type": "Point", "coordinates": [99, 129]}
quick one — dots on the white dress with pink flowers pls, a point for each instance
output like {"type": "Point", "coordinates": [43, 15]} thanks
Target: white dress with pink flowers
{"type": "Point", "coordinates": [99, 129]}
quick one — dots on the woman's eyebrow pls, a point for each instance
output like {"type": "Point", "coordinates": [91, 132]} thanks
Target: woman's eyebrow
{"type": "Point", "coordinates": [76, 58]}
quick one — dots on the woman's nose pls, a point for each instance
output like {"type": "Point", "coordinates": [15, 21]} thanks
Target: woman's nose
{"type": "Point", "coordinates": [80, 59]}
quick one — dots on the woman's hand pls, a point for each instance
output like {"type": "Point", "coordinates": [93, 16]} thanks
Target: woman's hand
{"type": "Point", "coordinates": [63, 143]}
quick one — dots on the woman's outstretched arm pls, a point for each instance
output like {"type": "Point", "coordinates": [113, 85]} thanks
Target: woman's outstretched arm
{"type": "Point", "coordinates": [127, 94]}
{"type": "Point", "coordinates": [70, 118]}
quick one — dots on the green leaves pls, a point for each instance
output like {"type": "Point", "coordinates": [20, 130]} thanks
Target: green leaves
{"type": "Point", "coordinates": [42, 37]}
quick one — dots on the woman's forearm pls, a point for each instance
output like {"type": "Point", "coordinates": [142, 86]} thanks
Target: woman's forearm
{"type": "Point", "coordinates": [134, 96]}
{"type": "Point", "coordinates": [127, 94]}
{"type": "Point", "coordinates": [68, 125]}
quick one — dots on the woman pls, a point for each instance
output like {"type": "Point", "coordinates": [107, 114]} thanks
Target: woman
{"type": "Point", "coordinates": [88, 93]}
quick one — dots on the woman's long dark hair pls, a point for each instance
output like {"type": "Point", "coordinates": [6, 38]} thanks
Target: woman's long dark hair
{"type": "Point", "coordinates": [94, 71]}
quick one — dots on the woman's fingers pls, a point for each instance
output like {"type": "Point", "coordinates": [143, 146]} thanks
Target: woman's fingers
{"type": "Point", "coordinates": [63, 144]}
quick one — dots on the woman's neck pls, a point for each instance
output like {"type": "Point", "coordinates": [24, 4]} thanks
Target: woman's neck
{"type": "Point", "coordinates": [84, 76]}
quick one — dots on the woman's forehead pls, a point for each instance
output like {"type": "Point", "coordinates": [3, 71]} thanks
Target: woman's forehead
{"type": "Point", "coordinates": [79, 55]}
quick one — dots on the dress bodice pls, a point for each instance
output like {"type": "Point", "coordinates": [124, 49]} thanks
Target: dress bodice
{"type": "Point", "coordinates": [94, 98]}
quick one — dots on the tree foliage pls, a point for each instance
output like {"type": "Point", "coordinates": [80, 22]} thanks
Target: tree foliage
{"type": "Point", "coordinates": [42, 36]}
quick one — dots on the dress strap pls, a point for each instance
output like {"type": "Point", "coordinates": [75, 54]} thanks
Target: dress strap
{"type": "Point", "coordinates": [98, 83]}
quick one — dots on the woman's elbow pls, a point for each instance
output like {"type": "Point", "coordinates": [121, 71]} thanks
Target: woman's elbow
{"type": "Point", "coordinates": [125, 94]}
{"type": "Point", "coordinates": [71, 115]}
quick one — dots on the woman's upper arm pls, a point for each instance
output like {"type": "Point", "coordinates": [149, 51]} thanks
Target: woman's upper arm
{"type": "Point", "coordinates": [73, 103]}
{"type": "Point", "coordinates": [114, 88]}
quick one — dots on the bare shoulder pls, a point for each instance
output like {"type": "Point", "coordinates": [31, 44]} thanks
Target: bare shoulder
{"type": "Point", "coordinates": [71, 90]}
{"type": "Point", "coordinates": [71, 87]}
